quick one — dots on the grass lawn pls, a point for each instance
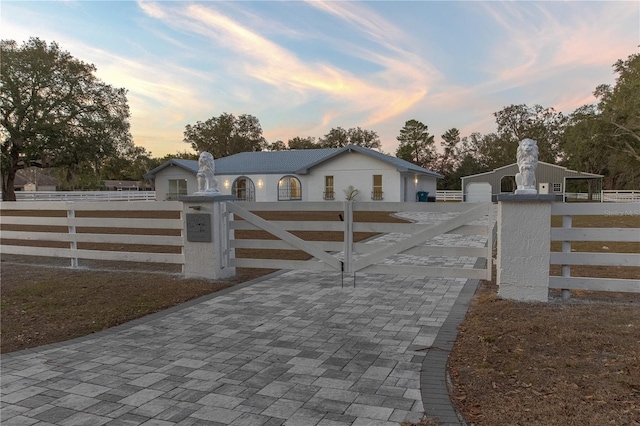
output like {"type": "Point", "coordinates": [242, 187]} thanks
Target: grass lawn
{"type": "Point", "coordinates": [575, 363]}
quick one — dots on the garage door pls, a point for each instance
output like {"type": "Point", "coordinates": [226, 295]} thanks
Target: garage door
{"type": "Point", "coordinates": [478, 192]}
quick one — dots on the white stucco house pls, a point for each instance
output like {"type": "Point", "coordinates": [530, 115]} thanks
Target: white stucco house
{"type": "Point", "coordinates": [305, 175]}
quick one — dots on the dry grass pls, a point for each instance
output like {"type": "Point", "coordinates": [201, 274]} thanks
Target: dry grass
{"type": "Point", "coordinates": [548, 364]}
{"type": "Point", "coordinates": [575, 363]}
{"type": "Point", "coordinates": [43, 305]}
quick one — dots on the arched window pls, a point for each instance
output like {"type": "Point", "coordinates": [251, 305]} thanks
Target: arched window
{"type": "Point", "coordinates": [508, 184]}
{"type": "Point", "coordinates": [243, 189]}
{"type": "Point", "coordinates": [289, 188]}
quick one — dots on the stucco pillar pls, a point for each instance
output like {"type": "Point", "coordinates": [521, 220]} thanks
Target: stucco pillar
{"type": "Point", "coordinates": [206, 236]}
{"type": "Point", "coordinates": [524, 234]}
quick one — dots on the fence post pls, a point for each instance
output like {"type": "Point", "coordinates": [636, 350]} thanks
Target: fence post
{"type": "Point", "coordinates": [566, 248]}
{"type": "Point", "coordinates": [73, 244]}
{"type": "Point", "coordinates": [524, 234]}
{"type": "Point", "coordinates": [348, 235]}
{"type": "Point", "coordinates": [205, 237]}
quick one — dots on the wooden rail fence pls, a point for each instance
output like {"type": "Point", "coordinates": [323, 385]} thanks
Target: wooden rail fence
{"type": "Point", "coordinates": [567, 234]}
{"type": "Point", "coordinates": [94, 230]}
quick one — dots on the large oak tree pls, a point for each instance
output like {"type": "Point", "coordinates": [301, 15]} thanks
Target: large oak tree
{"type": "Point", "coordinates": [55, 112]}
{"type": "Point", "coordinates": [339, 137]}
{"type": "Point", "coordinates": [226, 135]}
{"type": "Point", "coordinates": [605, 138]}
{"type": "Point", "coordinates": [620, 106]}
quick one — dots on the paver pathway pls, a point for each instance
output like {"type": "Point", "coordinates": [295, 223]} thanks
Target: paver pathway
{"type": "Point", "coordinates": [292, 349]}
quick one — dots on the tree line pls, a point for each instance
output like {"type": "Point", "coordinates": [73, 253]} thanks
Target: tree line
{"type": "Point", "coordinates": [56, 114]}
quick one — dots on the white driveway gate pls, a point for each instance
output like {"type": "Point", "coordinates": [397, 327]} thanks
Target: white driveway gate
{"type": "Point", "coordinates": [403, 249]}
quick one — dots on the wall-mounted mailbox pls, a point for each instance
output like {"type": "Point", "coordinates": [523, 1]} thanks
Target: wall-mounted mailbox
{"type": "Point", "coordinates": [198, 227]}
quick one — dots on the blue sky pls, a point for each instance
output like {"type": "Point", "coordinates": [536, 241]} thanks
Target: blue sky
{"type": "Point", "coordinates": [303, 68]}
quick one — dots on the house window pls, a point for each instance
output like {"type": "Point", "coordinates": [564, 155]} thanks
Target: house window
{"type": "Point", "coordinates": [557, 187]}
{"type": "Point", "coordinates": [176, 187]}
{"type": "Point", "coordinates": [376, 194]}
{"type": "Point", "coordinates": [289, 188]}
{"type": "Point", "coordinates": [243, 189]}
{"type": "Point", "coordinates": [329, 194]}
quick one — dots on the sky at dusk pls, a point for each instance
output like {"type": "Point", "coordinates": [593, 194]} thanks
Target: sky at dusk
{"type": "Point", "coordinates": [303, 68]}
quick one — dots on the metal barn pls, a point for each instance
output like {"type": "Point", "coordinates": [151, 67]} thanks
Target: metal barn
{"type": "Point", "coordinates": [551, 179]}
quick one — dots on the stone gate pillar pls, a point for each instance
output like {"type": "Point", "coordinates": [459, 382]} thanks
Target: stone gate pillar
{"type": "Point", "coordinates": [524, 243]}
{"type": "Point", "coordinates": [206, 236]}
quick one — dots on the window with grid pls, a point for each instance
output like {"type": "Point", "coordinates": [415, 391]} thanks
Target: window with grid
{"type": "Point", "coordinates": [243, 189]}
{"type": "Point", "coordinates": [329, 194]}
{"type": "Point", "coordinates": [289, 188]}
{"type": "Point", "coordinates": [557, 187]}
{"type": "Point", "coordinates": [376, 194]}
{"type": "Point", "coordinates": [176, 187]}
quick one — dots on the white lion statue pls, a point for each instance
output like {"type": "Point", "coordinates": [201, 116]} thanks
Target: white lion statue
{"type": "Point", "coordinates": [207, 181]}
{"type": "Point", "coordinates": [527, 156]}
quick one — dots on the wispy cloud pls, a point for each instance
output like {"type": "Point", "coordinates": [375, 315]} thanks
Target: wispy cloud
{"type": "Point", "coordinates": [539, 42]}
{"type": "Point", "coordinates": [378, 95]}
{"type": "Point", "coordinates": [543, 57]}
{"type": "Point", "coordinates": [304, 67]}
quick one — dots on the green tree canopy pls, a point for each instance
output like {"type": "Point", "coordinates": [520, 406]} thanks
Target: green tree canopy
{"type": "Point", "coordinates": [416, 144]}
{"type": "Point", "coordinates": [226, 135]}
{"type": "Point", "coordinates": [277, 146]}
{"type": "Point", "coordinates": [55, 112]}
{"type": "Point", "coordinates": [517, 122]}
{"type": "Point", "coordinates": [620, 106]}
{"type": "Point", "coordinates": [303, 143]}
{"type": "Point", "coordinates": [131, 164]}
{"type": "Point", "coordinates": [339, 137]}
{"type": "Point", "coordinates": [448, 159]}
{"type": "Point", "coordinates": [605, 138]}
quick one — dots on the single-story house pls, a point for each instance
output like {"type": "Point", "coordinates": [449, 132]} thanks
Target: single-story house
{"type": "Point", "coordinates": [550, 179]}
{"type": "Point", "coordinates": [34, 179]}
{"type": "Point", "coordinates": [306, 175]}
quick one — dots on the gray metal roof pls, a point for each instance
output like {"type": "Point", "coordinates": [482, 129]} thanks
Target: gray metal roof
{"type": "Point", "coordinates": [513, 168]}
{"type": "Point", "coordinates": [400, 164]}
{"type": "Point", "coordinates": [287, 162]}
{"type": "Point", "coordinates": [189, 165]}
{"type": "Point", "coordinates": [270, 162]}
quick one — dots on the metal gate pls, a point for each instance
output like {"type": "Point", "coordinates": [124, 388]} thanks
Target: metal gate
{"type": "Point", "coordinates": [398, 248]}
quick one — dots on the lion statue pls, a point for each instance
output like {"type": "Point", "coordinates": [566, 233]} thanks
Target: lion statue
{"type": "Point", "coordinates": [527, 156]}
{"type": "Point", "coordinates": [207, 181]}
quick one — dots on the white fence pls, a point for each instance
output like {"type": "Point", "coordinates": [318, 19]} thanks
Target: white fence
{"type": "Point", "coordinates": [123, 232]}
{"type": "Point", "coordinates": [567, 233]}
{"type": "Point", "coordinates": [608, 196]}
{"type": "Point", "coordinates": [85, 196]}
{"type": "Point", "coordinates": [449, 196]}
{"type": "Point", "coordinates": [620, 196]}
{"type": "Point", "coordinates": [153, 232]}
